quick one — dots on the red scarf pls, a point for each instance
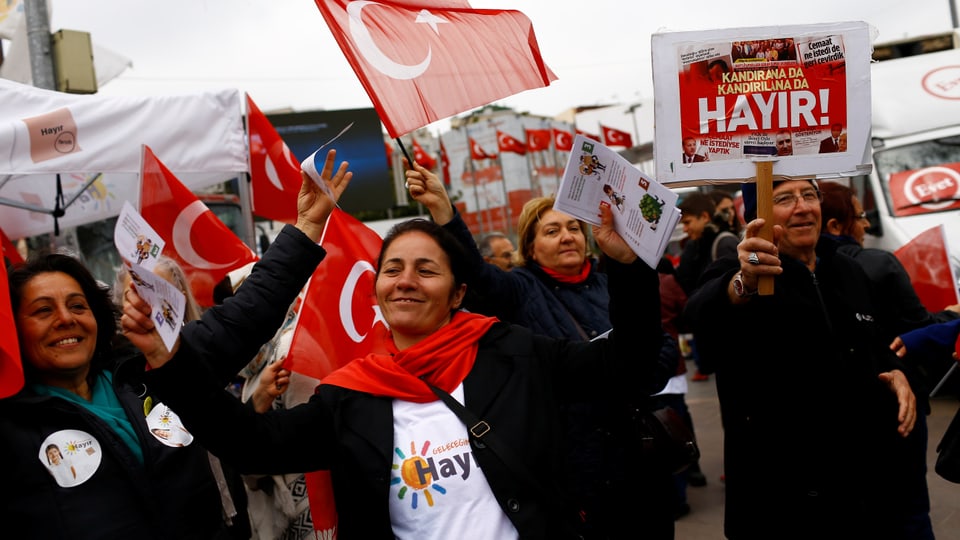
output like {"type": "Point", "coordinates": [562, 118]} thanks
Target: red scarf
{"type": "Point", "coordinates": [443, 359]}
{"type": "Point", "coordinates": [573, 280]}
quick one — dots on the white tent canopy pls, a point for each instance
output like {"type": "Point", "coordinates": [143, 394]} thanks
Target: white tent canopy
{"type": "Point", "coordinates": [96, 141]}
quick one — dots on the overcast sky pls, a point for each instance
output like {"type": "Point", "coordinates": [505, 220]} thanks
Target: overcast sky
{"type": "Point", "coordinates": [282, 53]}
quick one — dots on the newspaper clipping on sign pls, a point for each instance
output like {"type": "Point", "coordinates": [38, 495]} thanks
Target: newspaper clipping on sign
{"type": "Point", "coordinates": [644, 212]}
{"type": "Point", "coordinates": [796, 95]}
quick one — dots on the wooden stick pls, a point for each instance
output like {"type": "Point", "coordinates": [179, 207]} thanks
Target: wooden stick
{"type": "Point", "coordinates": [765, 211]}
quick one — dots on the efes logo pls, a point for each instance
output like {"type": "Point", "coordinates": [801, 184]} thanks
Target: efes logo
{"type": "Point", "coordinates": [70, 456]}
{"type": "Point", "coordinates": [423, 476]}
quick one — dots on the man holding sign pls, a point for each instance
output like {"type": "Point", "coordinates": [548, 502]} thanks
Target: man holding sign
{"type": "Point", "coordinates": [809, 384]}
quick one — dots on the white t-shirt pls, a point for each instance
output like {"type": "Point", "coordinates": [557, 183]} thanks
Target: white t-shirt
{"type": "Point", "coordinates": [438, 491]}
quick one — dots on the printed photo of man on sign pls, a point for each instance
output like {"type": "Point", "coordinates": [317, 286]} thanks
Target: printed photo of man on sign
{"type": "Point", "coordinates": [726, 98]}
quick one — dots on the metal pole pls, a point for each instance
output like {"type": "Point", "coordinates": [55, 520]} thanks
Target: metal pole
{"type": "Point", "coordinates": [476, 185]}
{"type": "Point", "coordinates": [636, 132]}
{"type": "Point", "coordinates": [38, 41]}
{"type": "Point", "coordinates": [953, 13]}
{"type": "Point", "coordinates": [245, 194]}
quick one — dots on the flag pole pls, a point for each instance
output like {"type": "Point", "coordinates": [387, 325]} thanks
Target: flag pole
{"type": "Point", "coordinates": [506, 195]}
{"type": "Point", "coordinates": [476, 185]}
{"type": "Point", "coordinates": [404, 150]}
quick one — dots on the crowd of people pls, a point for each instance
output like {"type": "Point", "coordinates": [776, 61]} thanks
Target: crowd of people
{"type": "Point", "coordinates": [506, 404]}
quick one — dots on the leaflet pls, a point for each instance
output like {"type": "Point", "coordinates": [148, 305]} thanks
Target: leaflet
{"type": "Point", "coordinates": [140, 247]}
{"type": "Point", "coordinates": [645, 212]}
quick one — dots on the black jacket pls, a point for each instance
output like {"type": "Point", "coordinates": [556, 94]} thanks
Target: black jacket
{"type": "Point", "coordinates": [173, 495]}
{"type": "Point", "coordinates": [799, 396]}
{"type": "Point", "coordinates": [517, 384]}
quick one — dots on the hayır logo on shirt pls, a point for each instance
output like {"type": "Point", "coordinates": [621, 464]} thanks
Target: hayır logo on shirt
{"type": "Point", "coordinates": [420, 473]}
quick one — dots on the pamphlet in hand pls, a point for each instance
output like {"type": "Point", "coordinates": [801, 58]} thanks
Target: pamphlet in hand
{"type": "Point", "coordinates": [140, 247]}
{"type": "Point", "coordinates": [135, 238]}
{"type": "Point", "coordinates": [644, 211]}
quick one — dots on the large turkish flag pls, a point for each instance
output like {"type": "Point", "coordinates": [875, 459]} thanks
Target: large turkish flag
{"type": "Point", "coordinates": [422, 61]}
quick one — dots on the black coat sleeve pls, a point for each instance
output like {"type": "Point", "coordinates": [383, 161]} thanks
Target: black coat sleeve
{"type": "Point", "coordinates": [228, 336]}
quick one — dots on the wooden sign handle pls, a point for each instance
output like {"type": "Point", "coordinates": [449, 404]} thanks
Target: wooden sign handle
{"type": "Point", "coordinates": [765, 211]}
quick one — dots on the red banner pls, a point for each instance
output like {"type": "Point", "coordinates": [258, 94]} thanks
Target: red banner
{"type": "Point", "coordinates": [562, 140]}
{"type": "Point", "coordinates": [507, 143]}
{"type": "Point", "coordinates": [9, 250]}
{"type": "Point", "coordinates": [421, 156]}
{"type": "Point", "coordinates": [339, 320]}
{"type": "Point", "coordinates": [538, 139]}
{"type": "Point", "coordinates": [274, 170]}
{"type": "Point", "coordinates": [11, 369]}
{"type": "Point", "coordinates": [923, 191]}
{"type": "Point", "coordinates": [615, 137]}
{"type": "Point", "coordinates": [205, 248]}
{"type": "Point", "coordinates": [426, 61]}
{"type": "Point", "coordinates": [927, 261]}
{"type": "Point", "coordinates": [587, 135]}
{"type": "Point", "coordinates": [445, 164]}
{"type": "Point", "coordinates": [477, 151]}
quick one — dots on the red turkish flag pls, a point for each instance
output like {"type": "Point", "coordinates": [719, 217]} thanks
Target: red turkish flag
{"type": "Point", "coordinates": [389, 149]}
{"type": "Point", "coordinates": [274, 170]}
{"type": "Point", "coordinates": [615, 137]}
{"type": "Point", "coordinates": [8, 249]}
{"type": "Point", "coordinates": [477, 151]}
{"type": "Point", "coordinates": [11, 369]}
{"type": "Point", "coordinates": [426, 60]}
{"type": "Point", "coordinates": [562, 140]}
{"type": "Point", "coordinates": [589, 135]}
{"type": "Point", "coordinates": [506, 143]}
{"type": "Point", "coordinates": [927, 261]}
{"type": "Point", "coordinates": [538, 139]}
{"type": "Point", "coordinates": [445, 164]}
{"type": "Point", "coordinates": [194, 236]}
{"type": "Point", "coordinates": [422, 157]}
{"type": "Point", "coordinates": [338, 321]}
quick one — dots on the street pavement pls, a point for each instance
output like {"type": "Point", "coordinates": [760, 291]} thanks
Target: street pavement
{"type": "Point", "coordinates": [705, 520]}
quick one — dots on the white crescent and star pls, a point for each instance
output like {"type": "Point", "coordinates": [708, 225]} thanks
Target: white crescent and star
{"type": "Point", "coordinates": [272, 173]}
{"type": "Point", "coordinates": [346, 302]}
{"type": "Point", "coordinates": [181, 237]}
{"type": "Point", "coordinates": [477, 149]}
{"type": "Point", "coordinates": [375, 56]}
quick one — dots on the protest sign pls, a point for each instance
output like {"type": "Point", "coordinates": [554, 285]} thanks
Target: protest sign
{"type": "Point", "coordinates": [795, 95]}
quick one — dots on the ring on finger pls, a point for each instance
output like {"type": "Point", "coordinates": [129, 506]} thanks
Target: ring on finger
{"type": "Point", "coordinates": [753, 258]}
{"type": "Point", "coordinates": [406, 185]}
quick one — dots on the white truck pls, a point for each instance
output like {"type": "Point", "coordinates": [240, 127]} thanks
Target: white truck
{"type": "Point", "coordinates": [915, 181]}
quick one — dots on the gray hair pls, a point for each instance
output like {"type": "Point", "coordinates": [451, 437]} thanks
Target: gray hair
{"type": "Point", "coordinates": [484, 244]}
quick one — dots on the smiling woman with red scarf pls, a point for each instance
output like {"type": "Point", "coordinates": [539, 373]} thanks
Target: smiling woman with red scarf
{"type": "Point", "coordinates": [557, 290]}
{"type": "Point", "coordinates": [404, 463]}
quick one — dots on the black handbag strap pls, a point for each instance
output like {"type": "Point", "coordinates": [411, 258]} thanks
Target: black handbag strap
{"type": "Point", "coordinates": [482, 432]}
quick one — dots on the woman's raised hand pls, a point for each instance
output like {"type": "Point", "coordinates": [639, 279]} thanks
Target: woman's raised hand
{"type": "Point", "coordinates": [315, 203]}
